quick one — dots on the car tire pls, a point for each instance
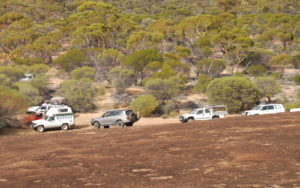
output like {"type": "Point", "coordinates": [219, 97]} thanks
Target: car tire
{"type": "Point", "coordinates": [106, 126]}
{"type": "Point", "coordinates": [97, 124]}
{"type": "Point", "coordinates": [120, 123]}
{"type": "Point", "coordinates": [216, 117]}
{"type": "Point", "coordinates": [190, 120]}
{"type": "Point", "coordinates": [64, 127]}
{"type": "Point", "coordinates": [40, 128]}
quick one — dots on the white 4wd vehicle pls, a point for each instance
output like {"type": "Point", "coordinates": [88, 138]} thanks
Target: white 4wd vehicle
{"type": "Point", "coordinates": [56, 117]}
{"type": "Point", "coordinates": [264, 109]}
{"type": "Point", "coordinates": [40, 109]}
{"type": "Point", "coordinates": [207, 113]}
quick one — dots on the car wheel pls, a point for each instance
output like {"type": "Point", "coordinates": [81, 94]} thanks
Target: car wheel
{"type": "Point", "coordinates": [40, 128]}
{"type": "Point", "coordinates": [64, 127]}
{"type": "Point", "coordinates": [106, 127]}
{"type": "Point", "coordinates": [216, 117]}
{"type": "Point", "coordinates": [97, 124]}
{"type": "Point", "coordinates": [190, 120]}
{"type": "Point", "coordinates": [120, 123]}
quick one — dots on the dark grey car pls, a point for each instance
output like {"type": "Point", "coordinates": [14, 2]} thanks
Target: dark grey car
{"type": "Point", "coordinates": [119, 118]}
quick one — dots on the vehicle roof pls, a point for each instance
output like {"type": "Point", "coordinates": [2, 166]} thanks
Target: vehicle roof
{"type": "Point", "coordinates": [117, 110]}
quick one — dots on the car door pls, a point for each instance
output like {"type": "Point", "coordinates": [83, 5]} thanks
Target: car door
{"type": "Point", "coordinates": [199, 115]}
{"type": "Point", "coordinates": [207, 114]}
{"type": "Point", "coordinates": [271, 109]}
{"type": "Point", "coordinates": [51, 122]}
{"type": "Point", "coordinates": [263, 110]}
{"type": "Point", "coordinates": [104, 120]}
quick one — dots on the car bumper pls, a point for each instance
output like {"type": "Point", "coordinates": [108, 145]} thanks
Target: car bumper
{"type": "Point", "coordinates": [182, 119]}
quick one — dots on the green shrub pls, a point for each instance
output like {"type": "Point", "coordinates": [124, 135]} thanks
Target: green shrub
{"type": "Point", "coordinates": [268, 86]}
{"type": "Point", "coordinates": [11, 104]}
{"type": "Point", "coordinates": [121, 79]}
{"type": "Point", "coordinates": [30, 61]}
{"type": "Point", "coordinates": [145, 105]}
{"type": "Point", "coordinates": [80, 94]}
{"type": "Point", "coordinates": [275, 75]}
{"type": "Point", "coordinates": [256, 70]}
{"type": "Point", "coordinates": [164, 89]}
{"type": "Point", "coordinates": [71, 60]}
{"type": "Point", "coordinates": [5, 80]}
{"type": "Point", "coordinates": [28, 90]}
{"type": "Point", "coordinates": [83, 72]}
{"type": "Point", "coordinates": [294, 104]}
{"type": "Point", "coordinates": [296, 79]}
{"type": "Point", "coordinates": [235, 92]}
{"type": "Point", "coordinates": [14, 73]}
{"type": "Point", "coordinates": [37, 69]}
{"type": "Point", "coordinates": [211, 67]}
{"type": "Point", "coordinates": [202, 84]}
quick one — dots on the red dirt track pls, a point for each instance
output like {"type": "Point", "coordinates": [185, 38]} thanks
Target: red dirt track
{"type": "Point", "coordinates": [260, 151]}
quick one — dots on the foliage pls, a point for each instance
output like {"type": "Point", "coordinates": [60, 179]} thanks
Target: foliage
{"type": "Point", "coordinates": [31, 92]}
{"type": "Point", "coordinates": [268, 86]}
{"type": "Point", "coordinates": [211, 67]}
{"type": "Point", "coordinates": [296, 79]}
{"type": "Point", "coordinates": [235, 92]}
{"type": "Point", "coordinates": [80, 94]}
{"type": "Point", "coordinates": [71, 60]}
{"type": "Point", "coordinates": [256, 70]}
{"type": "Point", "coordinates": [11, 104]}
{"type": "Point", "coordinates": [164, 89]}
{"type": "Point", "coordinates": [202, 84]}
{"type": "Point", "coordinates": [14, 73]}
{"type": "Point", "coordinates": [138, 61]}
{"type": "Point", "coordinates": [83, 72]}
{"type": "Point", "coordinates": [121, 79]}
{"type": "Point", "coordinates": [145, 105]}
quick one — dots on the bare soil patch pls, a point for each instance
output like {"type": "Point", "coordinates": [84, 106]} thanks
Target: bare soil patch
{"type": "Point", "coordinates": [260, 151]}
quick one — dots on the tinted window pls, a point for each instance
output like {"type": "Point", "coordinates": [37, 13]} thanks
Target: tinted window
{"type": "Point", "coordinates": [200, 112]}
{"type": "Point", "coordinates": [265, 108]}
{"type": "Point", "coordinates": [277, 106]}
{"type": "Point", "coordinates": [207, 111]}
{"type": "Point", "coordinates": [63, 110]}
{"type": "Point", "coordinates": [271, 107]}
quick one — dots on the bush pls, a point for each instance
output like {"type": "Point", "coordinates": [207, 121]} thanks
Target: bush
{"type": "Point", "coordinates": [14, 73]}
{"type": "Point", "coordinates": [11, 104]}
{"type": "Point", "coordinates": [164, 89]}
{"type": "Point", "coordinates": [37, 69]}
{"type": "Point", "coordinates": [83, 72]}
{"type": "Point", "coordinates": [71, 60]}
{"type": "Point", "coordinates": [211, 67]}
{"type": "Point", "coordinates": [28, 90]}
{"type": "Point", "coordinates": [30, 61]}
{"type": "Point", "coordinates": [145, 105]}
{"type": "Point", "coordinates": [121, 79]}
{"type": "Point", "coordinates": [296, 79]}
{"type": "Point", "coordinates": [267, 86]}
{"type": "Point", "coordinates": [80, 94]}
{"type": "Point", "coordinates": [235, 92]}
{"type": "Point", "coordinates": [5, 80]}
{"type": "Point", "coordinates": [256, 70]}
{"type": "Point", "coordinates": [202, 84]}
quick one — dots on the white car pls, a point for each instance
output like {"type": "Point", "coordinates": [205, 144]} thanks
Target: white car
{"type": "Point", "coordinates": [295, 110]}
{"type": "Point", "coordinates": [211, 112]}
{"type": "Point", "coordinates": [27, 77]}
{"type": "Point", "coordinates": [40, 109]}
{"type": "Point", "coordinates": [265, 109]}
{"type": "Point", "coordinates": [56, 117]}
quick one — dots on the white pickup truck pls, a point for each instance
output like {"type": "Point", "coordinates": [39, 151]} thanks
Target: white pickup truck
{"type": "Point", "coordinates": [205, 113]}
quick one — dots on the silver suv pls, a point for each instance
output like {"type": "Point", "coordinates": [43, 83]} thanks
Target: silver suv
{"type": "Point", "coordinates": [120, 118]}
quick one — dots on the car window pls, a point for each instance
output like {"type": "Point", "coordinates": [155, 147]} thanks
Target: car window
{"type": "Point", "coordinates": [106, 114]}
{"type": "Point", "coordinates": [51, 118]}
{"type": "Point", "coordinates": [207, 111]}
{"type": "Point", "coordinates": [200, 112]}
{"type": "Point", "coordinates": [270, 107]}
{"type": "Point", "coordinates": [278, 106]}
{"type": "Point", "coordinates": [265, 108]}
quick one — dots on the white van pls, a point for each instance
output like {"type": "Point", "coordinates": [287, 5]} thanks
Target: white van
{"type": "Point", "coordinates": [56, 117]}
{"type": "Point", "coordinates": [265, 109]}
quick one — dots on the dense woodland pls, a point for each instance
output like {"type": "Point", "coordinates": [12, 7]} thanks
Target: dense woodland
{"type": "Point", "coordinates": [160, 45]}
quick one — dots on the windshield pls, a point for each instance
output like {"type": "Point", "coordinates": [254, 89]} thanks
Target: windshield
{"type": "Point", "coordinates": [46, 117]}
{"type": "Point", "coordinates": [193, 111]}
{"type": "Point", "coordinates": [256, 107]}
